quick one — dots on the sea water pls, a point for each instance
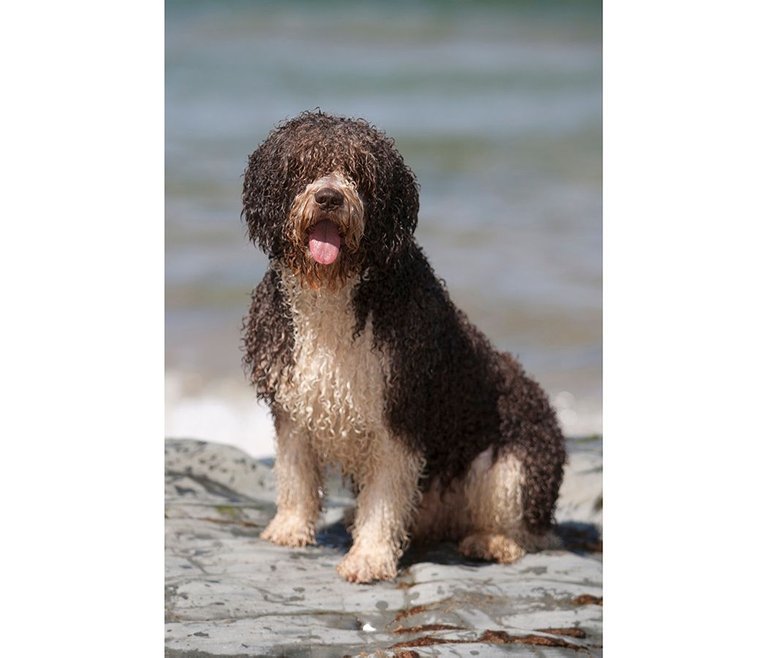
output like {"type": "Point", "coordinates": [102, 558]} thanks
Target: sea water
{"type": "Point", "coordinates": [495, 106]}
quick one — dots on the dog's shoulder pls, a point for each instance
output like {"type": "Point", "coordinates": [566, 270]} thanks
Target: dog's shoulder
{"type": "Point", "coordinates": [404, 297]}
{"type": "Point", "coordinates": [412, 314]}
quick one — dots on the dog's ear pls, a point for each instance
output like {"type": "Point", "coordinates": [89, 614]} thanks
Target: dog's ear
{"type": "Point", "coordinates": [265, 201]}
{"type": "Point", "coordinates": [392, 206]}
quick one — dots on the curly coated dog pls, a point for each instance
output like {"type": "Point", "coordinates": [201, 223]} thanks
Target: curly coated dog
{"type": "Point", "coordinates": [366, 364]}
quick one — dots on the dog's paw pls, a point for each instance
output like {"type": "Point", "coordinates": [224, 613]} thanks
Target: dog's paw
{"type": "Point", "coordinates": [361, 566]}
{"type": "Point", "coordinates": [491, 546]}
{"type": "Point", "coordinates": [289, 530]}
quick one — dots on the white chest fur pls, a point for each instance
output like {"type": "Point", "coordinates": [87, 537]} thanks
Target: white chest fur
{"type": "Point", "coordinates": [335, 391]}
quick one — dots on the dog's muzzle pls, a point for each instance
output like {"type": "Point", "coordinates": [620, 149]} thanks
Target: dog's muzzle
{"type": "Point", "coordinates": [329, 216]}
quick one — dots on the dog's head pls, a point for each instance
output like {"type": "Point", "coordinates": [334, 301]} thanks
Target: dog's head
{"type": "Point", "coordinates": [329, 196]}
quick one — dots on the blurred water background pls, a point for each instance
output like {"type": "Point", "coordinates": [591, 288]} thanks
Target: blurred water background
{"type": "Point", "coordinates": [496, 106]}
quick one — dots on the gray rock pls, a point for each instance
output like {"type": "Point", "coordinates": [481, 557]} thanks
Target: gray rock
{"type": "Point", "coordinates": [228, 593]}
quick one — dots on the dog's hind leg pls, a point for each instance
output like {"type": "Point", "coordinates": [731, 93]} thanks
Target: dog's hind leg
{"type": "Point", "coordinates": [493, 493]}
{"type": "Point", "coordinates": [299, 483]}
{"type": "Point", "coordinates": [385, 506]}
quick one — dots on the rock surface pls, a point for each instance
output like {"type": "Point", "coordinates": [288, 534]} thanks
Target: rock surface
{"type": "Point", "coordinates": [228, 593]}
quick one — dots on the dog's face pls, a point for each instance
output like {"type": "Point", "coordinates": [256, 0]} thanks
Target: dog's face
{"type": "Point", "coordinates": [328, 197]}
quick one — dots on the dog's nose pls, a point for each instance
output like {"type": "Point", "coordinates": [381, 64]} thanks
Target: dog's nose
{"type": "Point", "coordinates": [328, 198]}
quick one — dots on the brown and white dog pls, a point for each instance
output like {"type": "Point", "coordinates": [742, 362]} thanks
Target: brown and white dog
{"type": "Point", "coordinates": [367, 364]}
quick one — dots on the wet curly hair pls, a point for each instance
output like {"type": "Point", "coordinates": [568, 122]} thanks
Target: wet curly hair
{"type": "Point", "coordinates": [312, 144]}
{"type": "Point", "coordinates": [450, 395]}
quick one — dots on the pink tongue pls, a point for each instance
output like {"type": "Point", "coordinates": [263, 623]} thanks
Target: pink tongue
{"type": "Point", "coordinates": [324, 242]}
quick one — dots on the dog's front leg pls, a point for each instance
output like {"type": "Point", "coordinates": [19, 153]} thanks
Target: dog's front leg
{"type": "Point", "coordinates": [385, 507]}
{"type": "Point", "coordinates": [298, 487]}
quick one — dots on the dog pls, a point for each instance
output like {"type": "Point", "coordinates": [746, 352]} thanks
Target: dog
{"type": "Point", "coordinates": [366, 364]}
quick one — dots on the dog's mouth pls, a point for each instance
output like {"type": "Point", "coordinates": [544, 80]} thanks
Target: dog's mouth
{"type": "Point", "coordinates": [325, 242]}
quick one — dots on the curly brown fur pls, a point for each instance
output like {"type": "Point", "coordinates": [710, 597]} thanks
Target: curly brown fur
{"type": "Point", "coordinates": [296, 153]}
{"type": "Point", "coordinates": [267, 337]}
{"type": "Point", "coordinates": [367, 363]}
{"type": "Point", "coordinates": [475, 397]}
